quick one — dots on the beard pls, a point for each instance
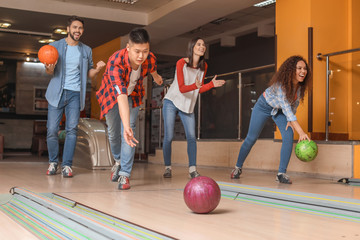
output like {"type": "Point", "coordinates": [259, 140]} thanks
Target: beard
{"type": "Point", "coordinates": [73, 37]}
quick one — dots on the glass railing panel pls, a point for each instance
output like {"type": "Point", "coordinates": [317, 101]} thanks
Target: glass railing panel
{"type": "Point", "coordinates": [220, 107]}
{"type": "Point", "coordinates": [340, 69]}
{"type": "Point", "coordinates": [220, 110]}
{"type": "Point", "coordinates": [355, 97]}
{"type": "Point", "coordinates": [254, 84]}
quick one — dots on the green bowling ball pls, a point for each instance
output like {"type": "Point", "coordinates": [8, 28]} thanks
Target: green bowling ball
{"type": "Point", "coordinates": [306, 150]}
{"type": "Point", "coordinates": [62, 135]}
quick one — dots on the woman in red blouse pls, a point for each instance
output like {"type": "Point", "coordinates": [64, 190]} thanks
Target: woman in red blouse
{"type": "Point", "coordinates": [181, 99]}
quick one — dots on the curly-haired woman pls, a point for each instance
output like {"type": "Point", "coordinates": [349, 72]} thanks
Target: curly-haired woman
{"type": "Point", "coordinates": [279, 101]}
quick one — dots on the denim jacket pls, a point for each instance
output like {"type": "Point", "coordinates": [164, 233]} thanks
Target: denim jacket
{"type": "Point", "coordinates": [56, 85]}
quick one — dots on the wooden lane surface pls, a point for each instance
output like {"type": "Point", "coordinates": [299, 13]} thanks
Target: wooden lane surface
{"type": "Point", "coordinates": [165, 211]}
{"type": "Point", "coordinates": [157, 203]}
{"type": "Point", "coordinates": [12, 230]}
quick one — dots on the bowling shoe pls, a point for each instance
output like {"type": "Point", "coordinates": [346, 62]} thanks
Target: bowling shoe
{"type": "Point", "coordinates": [283, 178]}
{"type": "Point", "coordinates": [235, 173]}
{"type": "Point", "coordinates": [67, 172]}
{"type": "Point", "coordinates": [194, 174]}
{"type": "Point", "coordinates": [115, 172]}
{"type": "Point", "coordinates": [52, 168]}
{"type": "Point", "coordinates": [167, 173]}
{"type": "Point", "coordinates": [124, 183]}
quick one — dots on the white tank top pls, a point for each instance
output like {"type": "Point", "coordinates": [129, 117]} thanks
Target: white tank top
{"type": "Point", "coordinates": [185, 102]}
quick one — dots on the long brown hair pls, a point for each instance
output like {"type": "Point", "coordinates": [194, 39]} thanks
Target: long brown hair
{"type": "Point", "coordinates": [190, 51]}
{"type": "Point", "coordinates": [285, 75]}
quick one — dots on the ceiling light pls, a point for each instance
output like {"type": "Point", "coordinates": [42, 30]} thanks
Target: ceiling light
{"type": "Point", "coordinates": [124, 1]}
{"type": "Point", "coordinates": [60, 31]}
{"type": "Point", "coordinates": [265, 3]}
{"type": "Point", "coordinates": [46, 40]}
{"type": "Point", "coordinates": [5, 25]}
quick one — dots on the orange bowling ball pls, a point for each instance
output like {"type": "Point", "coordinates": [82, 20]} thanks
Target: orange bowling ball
{"type": "Point", "coordinates": [48, 54]}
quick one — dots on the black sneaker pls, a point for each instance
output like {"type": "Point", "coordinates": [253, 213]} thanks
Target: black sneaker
{"type": "Point", "coordinates": [115, 172]}
{"type": "Point", "coordinates": [194, 174]}
{"type": "Point", "coordinates": [283, 178]}
{"type": "Point", "coordinates": [235, 173]}
{"type": "Point", "coordinates": [167, 173]}
{"type": "Point", "coordinates": [52, 168]}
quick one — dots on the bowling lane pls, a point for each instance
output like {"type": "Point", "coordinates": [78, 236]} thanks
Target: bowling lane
{"type": "Point", "coordinates": [157, 203]}
{"type": "Point", "coordinates": [12, 230]}
{"type": "Point", "coordinates": [164, 211]}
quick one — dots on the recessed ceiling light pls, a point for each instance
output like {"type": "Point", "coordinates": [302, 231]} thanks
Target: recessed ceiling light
{"type": "Point", "coordinates": [265, 3]}
{"type": "Point", "coordinates": [46, 40]}
{"type": "Point", "coordinates": [60, 31]}
{"type": "Point", "coordinates": [5, 25]}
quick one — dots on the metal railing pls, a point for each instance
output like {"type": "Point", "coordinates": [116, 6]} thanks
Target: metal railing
{"type": "Point", "coordinates": [239, 72]}
{"type": "Point", "coordinates": [241, 85]}
{"type": "Point", "coordinates": [328, 73]}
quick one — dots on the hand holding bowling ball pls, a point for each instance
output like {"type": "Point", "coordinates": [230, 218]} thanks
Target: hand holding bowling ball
{"type": "Point", "coordinates": [48, 54]}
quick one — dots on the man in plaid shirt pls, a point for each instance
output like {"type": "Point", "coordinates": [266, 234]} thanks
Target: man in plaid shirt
{"type": "Point", "coordinates": [120, 96]}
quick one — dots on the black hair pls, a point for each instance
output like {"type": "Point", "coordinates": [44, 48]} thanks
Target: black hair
{"type": "Point", "coordinates": [139, 36]}
{"type": "Point", "coordinates": [74, 18]}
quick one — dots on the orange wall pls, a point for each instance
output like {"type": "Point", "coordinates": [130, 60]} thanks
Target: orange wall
{"type": "Point", "coordinates": [103, 53]}
{"type": "Point", "coordinates": [354, 124]}
{"type": "Point", "coordinates": [329, 19]}
{"type": "Point", "coordinates": [330, 22]}
{"type": "Point", "coordinates": [356, 163]}
{"type": "Point", "coordinates": [291, 32]}
{"type": "Point", "coordinates": [335, 28]}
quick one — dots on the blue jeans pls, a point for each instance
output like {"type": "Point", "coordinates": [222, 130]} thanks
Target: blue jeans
{"type": "Point", "coordinates": [261, 112]}
{"type": "Point", "coordinates": [121, 151]}
{"type": "Point", "coordinates": [188, 121]}
{"type": "Point", "coordinates": [70, 103]}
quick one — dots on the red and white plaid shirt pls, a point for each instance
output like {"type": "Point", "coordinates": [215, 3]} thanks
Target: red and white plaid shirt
{"type": "Point", "coordinates": [117, 73]}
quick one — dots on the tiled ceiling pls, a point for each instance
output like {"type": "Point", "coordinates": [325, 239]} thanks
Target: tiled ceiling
{"type": "Point", "coordinates": [139, 6]}
{"type": "Point", "coordinates": [235, 20]}
{"type": "Point", "coordinates": [96, 32]}
{"type": "Point", "coordinates": [184, 20]}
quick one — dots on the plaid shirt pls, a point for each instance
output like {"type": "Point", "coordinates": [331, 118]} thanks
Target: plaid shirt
{"type": "Point", "coordinates": [276, 98]}
{"type": "Point", "coordinates": [117, 74]}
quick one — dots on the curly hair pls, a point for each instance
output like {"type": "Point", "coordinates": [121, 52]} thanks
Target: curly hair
{"type": "Point", "coordinates": [285, 75]}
